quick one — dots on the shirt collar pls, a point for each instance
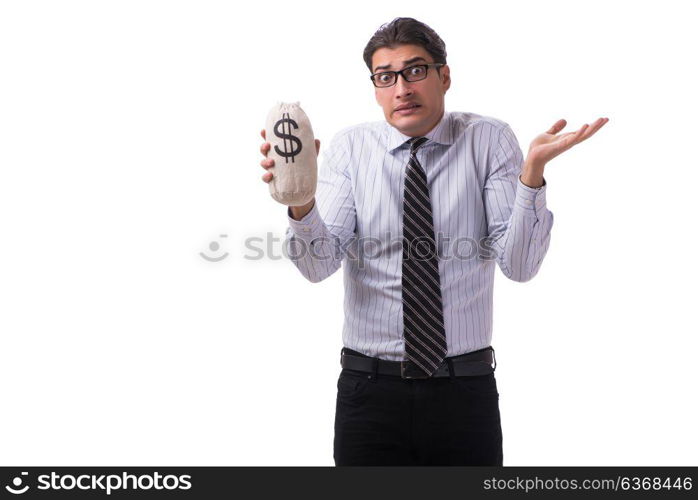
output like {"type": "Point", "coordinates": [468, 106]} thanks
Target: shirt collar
{"type": "Point", "coordinates": [441, 134]}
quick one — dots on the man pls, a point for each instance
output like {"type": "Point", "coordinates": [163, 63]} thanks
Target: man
{"type": "Point", "coordinates": [417, 385]}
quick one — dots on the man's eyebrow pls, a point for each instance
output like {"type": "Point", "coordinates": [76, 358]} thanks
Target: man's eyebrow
{"type": "Point", "coordinates": [409, 61]}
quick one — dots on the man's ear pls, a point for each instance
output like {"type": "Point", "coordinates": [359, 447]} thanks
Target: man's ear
{"type": "Point", "coordinates": [446, 77]}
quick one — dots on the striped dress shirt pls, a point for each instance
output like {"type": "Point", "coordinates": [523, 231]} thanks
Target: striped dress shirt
{"type": "Point", "coordinates": [482, 213]}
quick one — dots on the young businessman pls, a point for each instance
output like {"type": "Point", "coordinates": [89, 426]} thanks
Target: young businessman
{"type": "Point", "coordinates": [417, 385]}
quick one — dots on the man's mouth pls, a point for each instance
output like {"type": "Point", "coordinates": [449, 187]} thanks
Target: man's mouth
{"type": "Point", "coordinates": [407, 108]}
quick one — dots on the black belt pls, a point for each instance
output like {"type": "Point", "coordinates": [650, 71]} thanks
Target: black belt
{"type": "Point", "coordinates": [478, 362]}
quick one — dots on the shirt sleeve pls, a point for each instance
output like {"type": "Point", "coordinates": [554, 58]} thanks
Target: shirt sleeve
{"type": "Point", "coordinates": [518, 220]}
{"type": "Point", "coordinates": [318, 242]}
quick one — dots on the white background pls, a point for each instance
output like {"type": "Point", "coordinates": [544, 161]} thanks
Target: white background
{"type": "Point", "coordinates": [129, 136]}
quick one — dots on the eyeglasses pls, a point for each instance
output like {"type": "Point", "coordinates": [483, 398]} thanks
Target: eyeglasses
{"type": "Point", "coordinates": [410, 74]}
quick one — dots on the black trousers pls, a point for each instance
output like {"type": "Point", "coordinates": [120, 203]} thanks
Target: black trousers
{"type": "Point", "coordinates": [388, 420]}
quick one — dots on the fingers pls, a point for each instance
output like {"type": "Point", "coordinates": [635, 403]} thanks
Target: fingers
{"type": "Point", "coordinates": [587, 130]}
{"type": "Point", "coordinates": [561, 143]}
{"type": "Point", "coordinates": [557, 126]}
{"type": "Point", "coordinates": [572, 138]}
{"type": "Point", "coordinates": [595, 127]}
{"type": "Point", "coordinates": [584, 132]}
{"type": "Point", "coordinates": [267, 162]}
{"type": "Point", "coordinates": [581, 130]}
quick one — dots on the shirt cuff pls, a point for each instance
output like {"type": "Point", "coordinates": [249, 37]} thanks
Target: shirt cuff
{"type": "Point", "coordinates": [530, 199]}
{"type": "Point", "coordinates": [309, 227]}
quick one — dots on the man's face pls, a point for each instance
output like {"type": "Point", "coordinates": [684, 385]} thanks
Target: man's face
{"type": "Point", "coordinates": [427, 94]}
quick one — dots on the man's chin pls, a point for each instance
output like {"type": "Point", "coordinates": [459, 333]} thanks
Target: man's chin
{"type": "Point", "coordinates": [407, 124]}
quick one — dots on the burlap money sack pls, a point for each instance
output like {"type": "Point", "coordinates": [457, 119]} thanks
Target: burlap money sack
{"type": "Point", "coordinates": [292, 142]}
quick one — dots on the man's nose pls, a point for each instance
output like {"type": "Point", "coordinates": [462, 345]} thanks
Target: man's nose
{"type": "Point", "coordinates": [403, 88]}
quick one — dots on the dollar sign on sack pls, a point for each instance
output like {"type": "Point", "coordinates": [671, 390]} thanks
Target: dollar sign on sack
{"type": "Point", "coordinates": [290, 149]}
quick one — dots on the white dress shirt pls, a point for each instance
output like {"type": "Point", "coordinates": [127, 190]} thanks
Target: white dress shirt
{"type": "Point", "coordinates": [482, 213]}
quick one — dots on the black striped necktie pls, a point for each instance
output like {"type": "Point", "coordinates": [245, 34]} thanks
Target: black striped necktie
{"type": "Point", "coordinates": [425, 336]}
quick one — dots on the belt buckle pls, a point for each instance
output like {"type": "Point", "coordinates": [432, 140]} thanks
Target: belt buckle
{"type": "Point", "coordinates": [409, 370]}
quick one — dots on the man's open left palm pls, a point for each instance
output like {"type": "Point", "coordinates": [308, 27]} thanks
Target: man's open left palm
{"type": "Point", "coordinates": [548, 145]}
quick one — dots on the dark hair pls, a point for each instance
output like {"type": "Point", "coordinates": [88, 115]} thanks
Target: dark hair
{"type": "Point", "coordinates": [405, 30]}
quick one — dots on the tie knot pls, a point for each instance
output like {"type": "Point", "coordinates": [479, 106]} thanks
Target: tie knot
{"type": "Point", "coordinates": [415, 143]}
